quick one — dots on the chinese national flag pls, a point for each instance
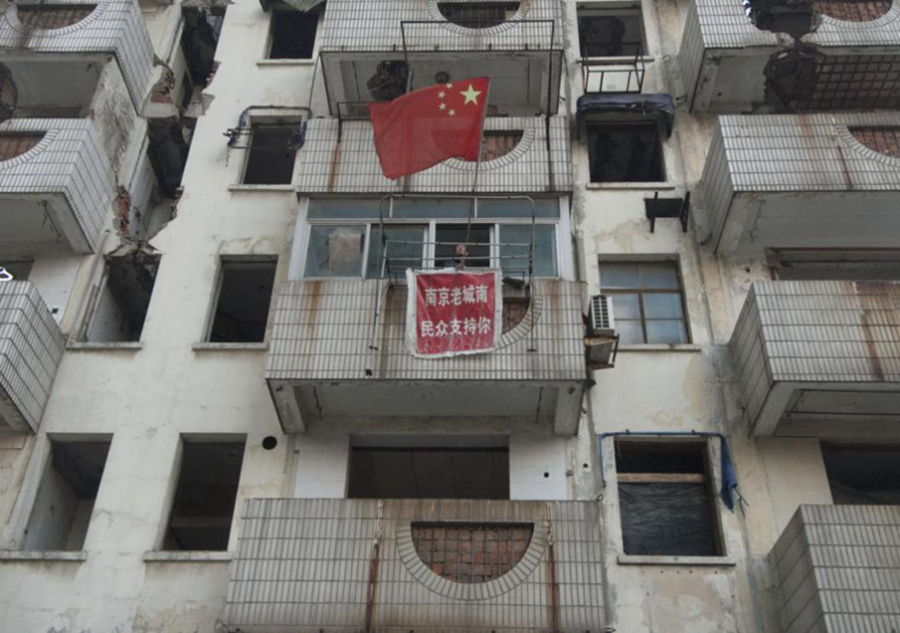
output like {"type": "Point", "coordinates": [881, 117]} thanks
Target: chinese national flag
{"type": "Point", "coordinates": [427, 126]}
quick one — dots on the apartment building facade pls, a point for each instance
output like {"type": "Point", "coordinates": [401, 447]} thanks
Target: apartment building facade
{"type": "Point", "coordinates": [211, 419]}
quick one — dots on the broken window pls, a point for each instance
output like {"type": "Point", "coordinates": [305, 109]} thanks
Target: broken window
{"type": "Point", "coordinates": [335, 251]}
{"type": "Point", "coordinates": [293, 34]}
{"type": "Point", "coordinates": [405, 249]}
{"type": "Point", "coordinates": [667, 500]}
{"type": "Point", "coordinates": [429, 473]}
{"type": "Point", "coordinates": [647, 301]}
{"type": "Point", "coordinates": [625, 152]}
{"type": "Point", "coordinates": [242, 300]}
{"type": "Point", "coordinates": [124, 298]}
{"type": "Point", "coordinates": [478, 15]}
{"type": "Point", "coordinates": [270, 157]}
{"type": "Point", "coordinates": [863, 475]}
{"type": "Point", "coordinates": [615, 32]}
{"type": "Point", "coordinates": [65, 499]}
{"type": "Point", "coordinates": [205, 495]}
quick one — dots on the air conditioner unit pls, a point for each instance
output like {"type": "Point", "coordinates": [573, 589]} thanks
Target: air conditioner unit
{"type": "Point", "coordinates": [601, 341]}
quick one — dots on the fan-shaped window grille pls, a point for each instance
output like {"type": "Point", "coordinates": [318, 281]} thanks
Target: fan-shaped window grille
{"type": "Point", "coordinates": [12, 145]}
{"type": "Point", "coordinates": [885, 140]}
{"type": "Point", "coordinates": [471, 552]}
{"type": "Point", "coordinates": [52, 16]}
{"type": "Point", "coordinates": [497, 143]}
{"type": "Point", "coordinates": [478, 15]}
{"type": "Point", "coordinates": [852, 10]}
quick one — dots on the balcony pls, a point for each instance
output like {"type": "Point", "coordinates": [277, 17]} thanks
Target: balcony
{"type": "Point", "coordinates": [77, 29]}
{"type": "Point", "coordinates": [375, 51]}
{"type": "Point", "coordinates": [31, 347]}
{"type": "Point", "coordinates": [331, 360]}
{"type": "Point", "coordinates": [837, 568]}
{"type": "Point", "coordinates": [802, 181]}
{"type": "Point", "coordinates": [824, 55]}
{"type": "Point", "coordinates": [339, 157]}
{"type": "Point", "coordinates": [820, 358]}
{"type": "Point", "coordinates": [56, 184]}
{"type": "Point", "coordinates": [391, 565]}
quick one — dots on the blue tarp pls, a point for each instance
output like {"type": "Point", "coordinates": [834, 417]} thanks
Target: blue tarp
{"type": "Point", "coordinates": [653, 106]}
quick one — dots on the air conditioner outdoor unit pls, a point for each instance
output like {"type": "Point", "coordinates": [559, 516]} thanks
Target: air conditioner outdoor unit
{"type": "Point", "coordinates": [601, 341]}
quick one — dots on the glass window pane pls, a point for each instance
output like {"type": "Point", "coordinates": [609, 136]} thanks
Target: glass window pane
{"type": "Point", "coordinates": [347, 208]}
{"type": "Point", "coordinates": [401, 255]}
{"type": "Point", "coordinates": [666, 332]}
{"type": "Point", "coordinates": [662, 276]}
{"type": "Point", "coordinates": [476, 240]}
{"type": "Point", "coordinates": [625, 306]}
{"type": "Point", "coordinates": [665, 305]}
{"type": "Point", "coordinates": [630, 332]}
{"type": "Point", "coordinates": [619, 276]}
{"type": "Point", "coordinates": [543, 208]}
{"type": "Point", "coordinates": [335, 251]}
{"type": "Point", "coordinates": [428, 208]}
{"type": "Point", "coordinates": [514, 259]}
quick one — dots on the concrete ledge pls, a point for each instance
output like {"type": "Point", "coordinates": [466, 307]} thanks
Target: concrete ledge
{"type": "Point", "coordinates": [49, 555]}
{"type": "Point", "coordinates": [696, 561]}
{"type": "Point", "coordinates": [187, 557]}
{"type": "Point", "coordinates": [630, 186]}
{"type": "Point", "coordinates": [84, 346]}
{"type": "Point", "coordinates": [230, 347]}
{"type": "Point", "coordinates": [687, 347]}
{"type": "Point", "coordinates": [286, 62]}
{"type": "Point", "coordinates": [262, 188]}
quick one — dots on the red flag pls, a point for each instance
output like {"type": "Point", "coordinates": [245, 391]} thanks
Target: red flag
{"type": "Point", "coordinates": [427, 126]}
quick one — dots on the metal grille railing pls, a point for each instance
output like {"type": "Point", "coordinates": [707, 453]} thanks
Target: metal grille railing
{"type": "Point", "coordinates": [615, 74]}
{"type": "Point", "coordinates": [852, 10]}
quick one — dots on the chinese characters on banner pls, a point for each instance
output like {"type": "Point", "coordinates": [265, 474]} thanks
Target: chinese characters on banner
{"type": "Point", "coordinates": [451, 313]}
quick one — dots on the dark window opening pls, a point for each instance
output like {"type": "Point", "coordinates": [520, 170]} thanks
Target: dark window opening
{"type": "Point", "coordinates": [123, 301]}
{"type": "Point", "coordinates": [17, 270]}
{"type": "Point", "coordinates": [65, 500]}
{"type": "Point", "coordinates": [242, 305]}
{"type": "Point", "coordinates": [610, 32]}
{"type": "Point", "coordinates": [471, 552]}
{"type": "Point", "coordinates": [293, 34]}
{"type": "Point", "coordinates": [52, 16]}
{"type": "Point", "coordinates": [648, 306]}
{"type": "Point", "coordinates": [199, 40]}
{"type": "Point", "coordinates": [478, 15]}
{"type": "Point", "coordinates": [838, 265]}
{"type": "Point", "coordinates": [497, 143]}
{"type": "Point", "coordinates": [794, 18]}
{"type": "Point", "coordinates": [429, 473]}
{"type": "Point", "coordinates": [667, 500]}
{"type": "Point", "coordinates": [625, 152]}
{"type": "Point", "coordinates": [451, 239]}
{"type": "Point", "coordinates": [388, 82]}
{"type": "Point", "coordinates": [205, 496]}
{"type": "Point", "coordinates": [270, 159]}
{"type": "Point", "coordinates": [863, 475]}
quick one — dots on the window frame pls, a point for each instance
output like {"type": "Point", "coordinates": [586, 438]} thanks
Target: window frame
{"type": "Point", "coordinates": [266, 122]}
{"type": "Point", "coordinates": [611, 9]}
{"type": "Point", "coordinates": [708, 478]}
{"type": "Point", "coordinates": [223, 260]}
{"type": "Point", "coordinates": [676, 264]}
{"type": "Point", "coordinates": [620, 121]}
{"type": "Point", "coordinates": [270, 39]}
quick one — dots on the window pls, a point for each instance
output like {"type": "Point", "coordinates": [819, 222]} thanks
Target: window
{"type": "Point", "coordinates": [515, 246]}
{"type": "Point", "coordinates": [17, 269]}
{"type": "Point", "coordinates": [478, 15]}
{"type": "Point", "coordinates": [270, 158]}
{"type": "Point", "coordinates": [615, 32]}
{"type": "Point", "coordinates": [625, 152]}
{"type": "Point", "coordinates": [863, 475]}
{"type": "Point", "coordinates": [205, 495]}
{"type": "Point", "coordinates": [65, 499]}
{"type": "Point", "coordinates": [429, 473]}
{"type": "Point", "coordinates": [475, 238]}
{"type": "Point", "coordinates": [293, 34]}
{"type": "Point", "coordinates": [121, 306]}
{"type": "Point", "coordinates": [405, 250]}
{"type": "Point", "coordinates": [335, 251]}
{"type": "Point", "coordinates": [647, 301]}
{"type": "Point", "coordinates": [667, 500]}
{"type": "Point", "coordinates": [242, 301]}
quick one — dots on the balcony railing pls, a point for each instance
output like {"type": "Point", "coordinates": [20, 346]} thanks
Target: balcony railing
{"type": "Point", "coordinates": [31, 347]}
{"type": "Point", "coordinates": [371, 565]}
{"type": "Point", "coordinates": [820, 358]}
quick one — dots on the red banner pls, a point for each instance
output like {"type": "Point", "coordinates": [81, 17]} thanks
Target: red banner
{"type": "Point", "coordinates": [452, 312]}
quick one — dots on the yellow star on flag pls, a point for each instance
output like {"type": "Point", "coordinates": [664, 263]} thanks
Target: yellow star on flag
{"type": "Point", "coordinates": [471, 95]}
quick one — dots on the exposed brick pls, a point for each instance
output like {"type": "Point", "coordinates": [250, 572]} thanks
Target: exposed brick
{"type": "Point", "coordinates": [471, 553]}
{"type": "Point", "coordinates": [12, 145]}
{"type": "Point", "coordinates": [852, 10]}
{"type": "Point", "coordinates": [52, 16]}
{"type": "Point", "coordinates": [882, 140]}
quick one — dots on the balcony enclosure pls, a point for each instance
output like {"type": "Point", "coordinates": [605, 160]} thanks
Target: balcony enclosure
{"type": "Point", "coordinates": [799, 56]}
{"type": "Point", "coordinates": [820, 358]}
{"type": "Point", "coordinates": [802, 181]}
{"type": "Point", "coordinates": [378, 51]}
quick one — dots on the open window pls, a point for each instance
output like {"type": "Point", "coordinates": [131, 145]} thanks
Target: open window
{"type": "Point", "coordinates": [451, 238]}
{"type": "Point", "coordinates": [625, 152]}
{"type": "Point", "coordinates": [863, 475]}
{"type": "Point", "coordinates": [65, 499]}
{"type": "Point", "coordinates": [271, 154]}
{"type": "Point", "coordinates": [667, 499]}
{"type": "Point", "coordinates": [610, 31]}
{"type": "Point", "coordinates": [121, 304]}
{"type": "Point", "coordinates": [292, 34]}
{"type": "Point", "coordinates": [243, 295]}
{"type": "Point", "coordinates": [429, 472]}
{"type": "Point", "coordinates": [205, 495]}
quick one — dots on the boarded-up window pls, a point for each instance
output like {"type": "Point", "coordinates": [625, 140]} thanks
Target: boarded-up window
{"type": "Point", "coordinates": [666, 499]}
